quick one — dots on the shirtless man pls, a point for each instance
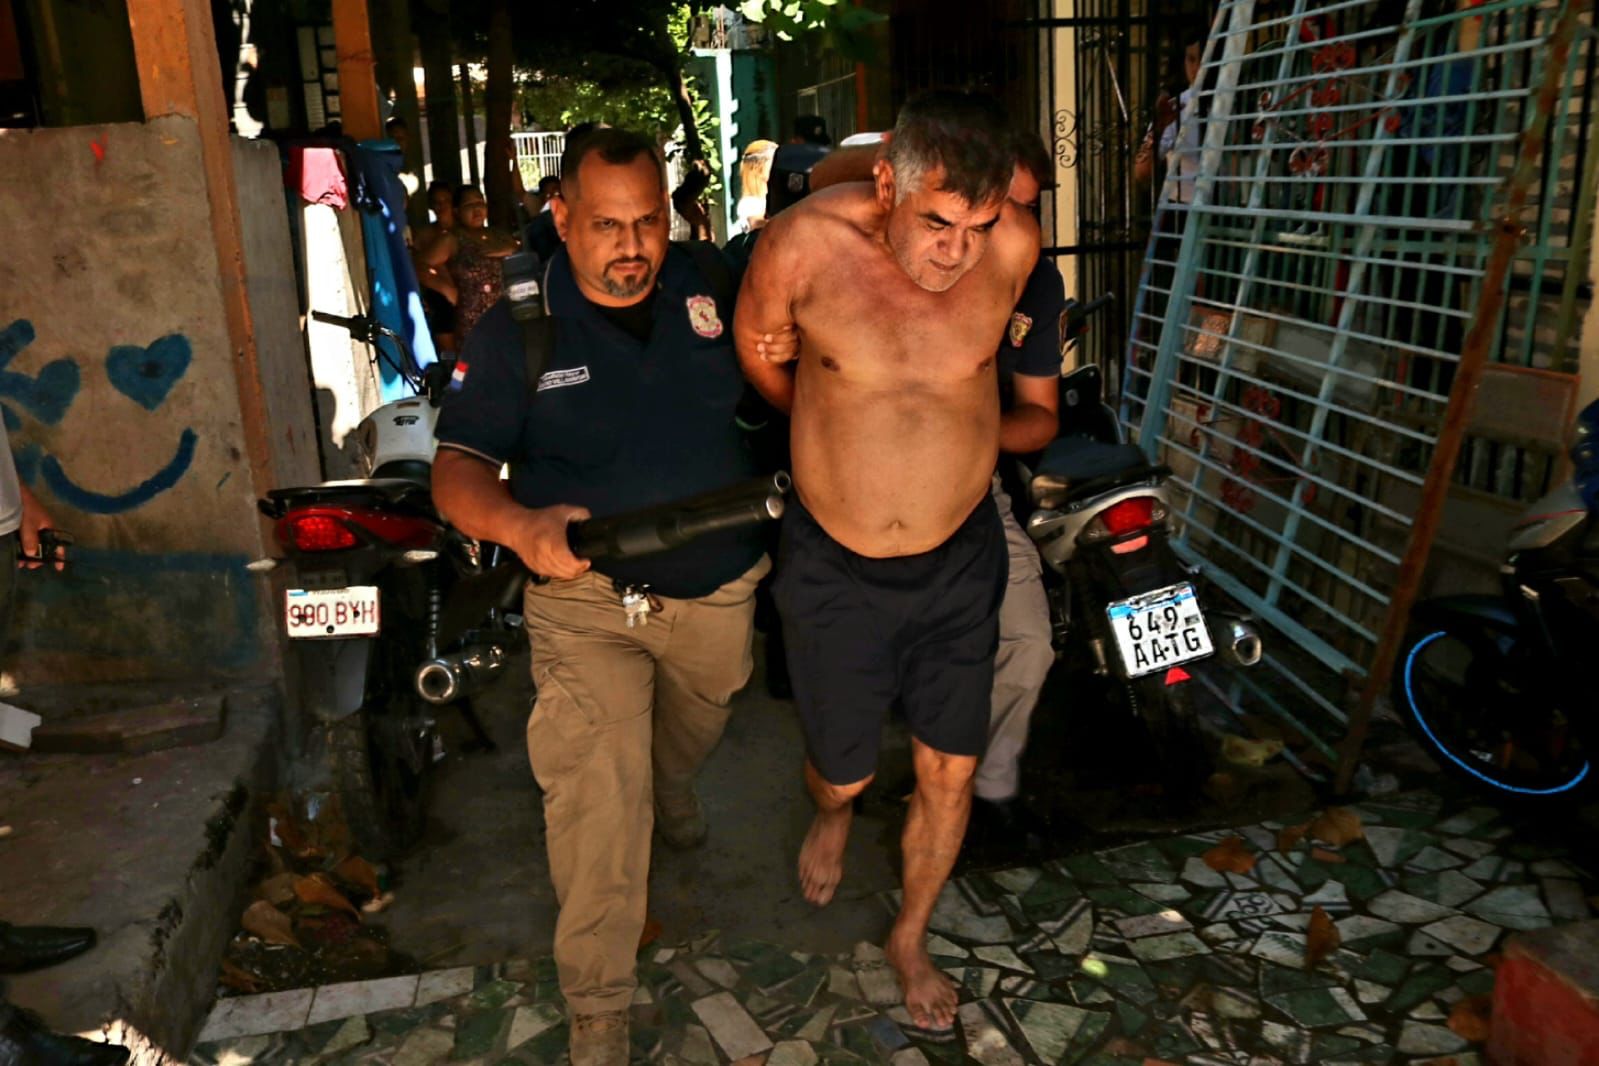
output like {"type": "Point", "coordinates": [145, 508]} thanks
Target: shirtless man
{"type": "Point", "coordinates": [893, 559]}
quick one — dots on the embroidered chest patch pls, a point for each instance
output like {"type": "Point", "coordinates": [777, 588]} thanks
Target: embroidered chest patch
{"type": "Point", "coordinates": [1019, 325]}
{"type": "Point", "coordinates": [560, 379]}
{"type": "Point", "coordinates": [703, 317]}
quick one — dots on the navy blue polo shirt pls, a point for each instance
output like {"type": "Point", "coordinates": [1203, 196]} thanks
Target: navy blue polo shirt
{"type": "Point", "coordinates": [616, 424]}
{"type": "Point", "coordinates": [1032, 339]}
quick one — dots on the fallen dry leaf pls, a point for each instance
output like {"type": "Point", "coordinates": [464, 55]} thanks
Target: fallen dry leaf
{"type": "Point", "coordinates": [1470, 1018]}
{"type": "Point", "coordinates": [270, 924]}
{"type": "Point", "coordinates": [378, 904]}
{"type": "Point", "coordinates": [1324, 855]}
{"type": "Point", "coordinates": [1336, 826]}
{"type": "Point", "coordinates": [1224, 788]}
{"type": "Point", "coordinates": [320, 890]}
{"type": "Point", "coordinates": [360, 873]}
{"type": "Point", "coordinates": [1230, 856]}
{"type": "Point", "coordinates": [1289, 836]}
{"type": "Point", "coordinates": [239, 979]}
{"type": "Point", "coordinates": [1245, 751]}
{"type": "Point", "coordinates": [277, 889]}
{"type": "Point", "coordinates": [1321, 939]}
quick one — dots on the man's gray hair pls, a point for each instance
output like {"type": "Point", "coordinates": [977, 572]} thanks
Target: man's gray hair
{"type": "Point", "coordinates": [965, 134]}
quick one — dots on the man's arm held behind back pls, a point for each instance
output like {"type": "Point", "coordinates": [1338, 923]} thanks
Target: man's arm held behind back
{"type": "Point", "coordinates": [766, 311]}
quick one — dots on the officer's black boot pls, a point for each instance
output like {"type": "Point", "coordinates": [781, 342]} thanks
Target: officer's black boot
{"type": "Point", "coordinates": [24, 1041]}
{"type": "Point", "coordinates": [30, 947]}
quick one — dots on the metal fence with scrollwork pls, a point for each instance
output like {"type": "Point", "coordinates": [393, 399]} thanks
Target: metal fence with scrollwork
{"type": "Point", "coordinates": [1123, 55]}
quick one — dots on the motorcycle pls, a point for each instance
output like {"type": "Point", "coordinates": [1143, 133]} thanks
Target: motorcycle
{"type": "Point", "coordinates": [373, 564]}
{"type": "Point", "coordinates": [1123, 607]}
{"type": "Point", "coordinates": [1495, 686]}
{"type": "Point", "coordinates": [394, 615]}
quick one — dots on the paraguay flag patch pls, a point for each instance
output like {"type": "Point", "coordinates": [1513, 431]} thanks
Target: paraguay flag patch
{"type": "Point", "coordinates": [458, 377]}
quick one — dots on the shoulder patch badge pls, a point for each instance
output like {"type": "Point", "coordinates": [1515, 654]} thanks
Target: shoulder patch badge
{"type": "Point", "coordinates": [703, 317]}
{"type": "Point", "coordinates": [1019, 326]}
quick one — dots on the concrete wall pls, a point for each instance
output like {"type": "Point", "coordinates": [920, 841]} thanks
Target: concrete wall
{"type": "Point", "coordinates": [119, 389]}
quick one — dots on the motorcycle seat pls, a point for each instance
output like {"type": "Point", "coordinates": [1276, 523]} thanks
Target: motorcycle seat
{"type": "Point", "coordinates": [1076, 460]}
{"type": "Point", "coordinates": [387, 491]}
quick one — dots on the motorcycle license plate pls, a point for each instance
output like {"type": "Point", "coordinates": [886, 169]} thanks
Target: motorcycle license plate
{"type": "Point", "coordinates": [1159, 629]}
{"type": "Point", "coordinates": [348, 612]}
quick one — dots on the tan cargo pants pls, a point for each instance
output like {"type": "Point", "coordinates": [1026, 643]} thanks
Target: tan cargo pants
{"type": "Point", "coordinates": [606, 763]}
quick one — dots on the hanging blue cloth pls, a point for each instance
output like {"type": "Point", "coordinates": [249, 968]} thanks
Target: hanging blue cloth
{"type": "Point", "coordinates": [396, 295]}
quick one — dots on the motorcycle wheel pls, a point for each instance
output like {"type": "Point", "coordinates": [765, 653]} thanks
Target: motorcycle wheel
{"type": "Point", "coordinates": [1462, 697]}
{"type": "Point", "coordinates": [381, 766]}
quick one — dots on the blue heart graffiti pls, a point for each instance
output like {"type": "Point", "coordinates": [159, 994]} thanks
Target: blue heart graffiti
{"type": "Point", "coordinates": [146, 375]}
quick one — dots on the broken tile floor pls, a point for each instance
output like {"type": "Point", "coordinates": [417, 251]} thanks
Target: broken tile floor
{"type": "Point", "coordinates": [1117, 956]}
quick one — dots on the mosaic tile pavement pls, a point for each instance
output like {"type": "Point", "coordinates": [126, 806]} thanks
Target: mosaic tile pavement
{"type": "Point", "coordinates": [1127, 955]}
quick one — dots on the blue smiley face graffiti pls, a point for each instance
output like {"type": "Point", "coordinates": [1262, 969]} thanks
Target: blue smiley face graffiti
{"type": "Point", "coordinates": [145, 375]}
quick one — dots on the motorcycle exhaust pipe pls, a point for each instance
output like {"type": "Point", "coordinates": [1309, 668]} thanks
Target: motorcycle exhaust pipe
{"type": "Point", "coordinates": [459, 674]}
{"type": "Point", "coordinates": [1237, 639]}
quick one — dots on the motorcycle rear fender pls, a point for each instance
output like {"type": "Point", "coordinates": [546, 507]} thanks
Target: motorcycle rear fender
{"type": "Point", "coordinates": [1468, 612]}
{"type": "Point", "coordinates": [333, 675]}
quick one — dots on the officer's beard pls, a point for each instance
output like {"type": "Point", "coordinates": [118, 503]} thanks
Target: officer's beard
{"type": "Point", "coordinates": [626, 290]}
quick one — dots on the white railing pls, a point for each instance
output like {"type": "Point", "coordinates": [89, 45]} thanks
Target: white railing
{"type": "Point", "coordinates": [538, 155]}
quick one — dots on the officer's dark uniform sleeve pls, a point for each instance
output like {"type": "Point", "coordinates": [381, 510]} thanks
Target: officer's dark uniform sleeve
{"type": "Point", "coordinates": [487, 401]}
{"type": "Point", "coordinates": [1042, 302]}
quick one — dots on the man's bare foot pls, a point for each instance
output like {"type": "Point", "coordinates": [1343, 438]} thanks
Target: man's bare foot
{"type": "Point", "coordinates": [821, 859]}
{"type": "Point", "coordinates": [929, 995]}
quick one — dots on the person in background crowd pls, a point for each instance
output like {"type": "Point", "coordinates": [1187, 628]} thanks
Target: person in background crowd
{"type": "Point", "coordinates": [688, 201]}
{"type": "Point", "coordinates": [754, 170]}
{"type": "Point", "coordinates": [439, 294]}
{"type": "Point", "coordinates": [1175, 132]}
{"type": "Point", "coordinates": [810, 129]}
{"type": "Point", "coordinates": [540, 235]}
{"type": "Point", "coordinates": [471, 251]}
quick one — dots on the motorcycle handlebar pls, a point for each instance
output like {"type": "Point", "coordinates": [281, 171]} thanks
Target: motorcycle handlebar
{"type": "Point", "coordinates": [368, 330]}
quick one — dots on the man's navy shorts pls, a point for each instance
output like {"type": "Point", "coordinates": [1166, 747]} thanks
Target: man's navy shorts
{"type": "Point", "coordinates": [863, 633]}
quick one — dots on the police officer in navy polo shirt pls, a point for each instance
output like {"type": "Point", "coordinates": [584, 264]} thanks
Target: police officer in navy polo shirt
{"type": "Point", "coordinates": [634, 407]}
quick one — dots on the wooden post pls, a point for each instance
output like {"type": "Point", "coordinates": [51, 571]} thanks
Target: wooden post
{"type": "Point", "coordinates": [358, 85]}
{"type": "Point", "coordinates": [175, 47]}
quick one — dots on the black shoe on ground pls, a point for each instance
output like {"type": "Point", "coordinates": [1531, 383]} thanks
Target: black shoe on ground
{"type": "Point", "coordinates": [30, 947]}
{"type": "Point", "coordinates": [24, 1041]}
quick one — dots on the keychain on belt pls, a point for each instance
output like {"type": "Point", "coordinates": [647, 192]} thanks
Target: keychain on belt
{"type": "Point", "coordinates": [637, 604]}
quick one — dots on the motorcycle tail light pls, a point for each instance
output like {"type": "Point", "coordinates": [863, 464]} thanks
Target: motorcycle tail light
{"type": "Point", "coordinates": [307, 532]}
{"type": "Point", "coordinates": [1129, 515]}
{"type": "Point", "coordinates": [1124, 518]}
{"type": "Point", "coordinates": [326, 529]}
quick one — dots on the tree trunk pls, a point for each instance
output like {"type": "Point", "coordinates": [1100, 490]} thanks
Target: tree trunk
{"type": "Point", "coordinates": [438, 69]}
{"type": "Point", "coordinates": [498, 187]}
{"type": "Point", "coordinates": [469, 124]}
{"type": "Point", "coordinates": [394, 49]}
{"type": "Point", "coordinates": [664, 58]}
